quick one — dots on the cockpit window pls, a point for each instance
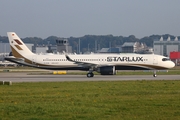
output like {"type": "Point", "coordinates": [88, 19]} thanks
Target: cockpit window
{"type": "Point", "coordinates": [165, 59]}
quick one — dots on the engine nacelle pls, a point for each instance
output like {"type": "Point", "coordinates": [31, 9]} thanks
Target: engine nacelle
{"type": "Point", "coordinates": [107, 70]}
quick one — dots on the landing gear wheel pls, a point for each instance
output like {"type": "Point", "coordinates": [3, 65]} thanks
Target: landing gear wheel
{"type": "Point", "coordinates": [154, 75]}
{"type": "Point", "coordinates": [90, 75]}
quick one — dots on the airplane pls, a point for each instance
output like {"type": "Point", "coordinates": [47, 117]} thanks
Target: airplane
{"type": "Point", "coordinates": [105, 64]}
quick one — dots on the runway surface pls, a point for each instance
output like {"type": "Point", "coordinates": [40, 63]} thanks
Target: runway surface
{"type": "Point", "coordinates": [23, 77]}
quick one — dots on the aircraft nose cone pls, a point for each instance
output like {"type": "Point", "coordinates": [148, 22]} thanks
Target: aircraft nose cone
{"type": "Point", "coordinates": [172, 64]}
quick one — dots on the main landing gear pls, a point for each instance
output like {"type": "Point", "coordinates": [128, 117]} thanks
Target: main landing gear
{"type": "Point", "coordinates": [90, 74]}
{"type": "Point", "coordinates": [154, 74]}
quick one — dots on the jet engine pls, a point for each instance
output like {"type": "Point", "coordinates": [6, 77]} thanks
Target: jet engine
{"type": "Point", "coordinates": [107, 70]}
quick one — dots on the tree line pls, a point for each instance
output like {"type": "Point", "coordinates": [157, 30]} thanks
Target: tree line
{"type": "Point", "coordinates": [93, 42]}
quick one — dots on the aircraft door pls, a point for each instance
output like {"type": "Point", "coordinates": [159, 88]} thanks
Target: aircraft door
{"type": "Point", "coordinates": [101, 61]}
{"type": "Point", "coordinates": [155, 59]}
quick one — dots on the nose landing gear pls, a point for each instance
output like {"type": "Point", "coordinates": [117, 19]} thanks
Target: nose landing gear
{"type": "Point", "coordinates": [154, 74]}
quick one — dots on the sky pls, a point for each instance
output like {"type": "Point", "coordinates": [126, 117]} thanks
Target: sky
{"type": "Point", "coordinates": [76, 18]}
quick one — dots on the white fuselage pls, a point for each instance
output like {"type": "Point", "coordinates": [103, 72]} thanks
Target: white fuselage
{"type": "Point", "coordinates": [146, 61]}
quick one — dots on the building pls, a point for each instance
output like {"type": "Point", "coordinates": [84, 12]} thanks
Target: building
{"type": "Point", "coordinates": [63, 45]}
{"type": "Point", "coordinates": [5, 48]}
{"type": "Point", "coordinates": [3, 55]}
{"type": "Point", "coordinates": [135, 47]}
{"type": "Point", "coordinates": [41, 49]}
{"type": "Point", "coordinates": [128, 47]}
{"type": "Point", "coordinates": [175, 56]}
{"type": "Point", "coordinates": [110, 50]}
{"type": "Point", "coordinates": [164, 47]}
{"type": "Point", "coordinates": [52, 49]}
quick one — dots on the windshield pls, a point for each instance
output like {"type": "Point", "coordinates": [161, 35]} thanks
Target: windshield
{"type": "Point", "coordinates": [166, 59]}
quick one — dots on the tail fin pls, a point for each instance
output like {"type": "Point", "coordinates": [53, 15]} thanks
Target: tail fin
{"type": "Point", "coordinates": [19, 49]}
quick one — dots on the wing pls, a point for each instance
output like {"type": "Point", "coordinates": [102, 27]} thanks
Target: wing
{"type": "Point", "coordinates": [82, 64]}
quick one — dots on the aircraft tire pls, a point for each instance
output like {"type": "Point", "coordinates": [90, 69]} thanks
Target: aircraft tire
{"type": "Point", "coordinates": [90, 75]}
{"type": "Point", "coordinates": [154, 75]}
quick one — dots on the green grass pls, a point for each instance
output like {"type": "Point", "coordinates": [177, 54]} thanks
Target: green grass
{"type": "Point", "coordinates": [118, 100]}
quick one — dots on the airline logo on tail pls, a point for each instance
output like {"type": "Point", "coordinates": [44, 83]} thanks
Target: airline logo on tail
{"type": "Point", "coordinates": [18, 43]}
{"type": "Point", "coordinates": [18, 47]}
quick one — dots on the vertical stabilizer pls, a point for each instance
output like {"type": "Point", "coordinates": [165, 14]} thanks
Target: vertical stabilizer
{"type": "Point", "coordinates": [19, 49]}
